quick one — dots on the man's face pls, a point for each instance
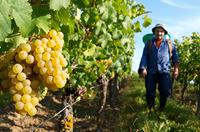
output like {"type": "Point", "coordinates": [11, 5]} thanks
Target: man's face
{"type": "Point", "coordinates": [159, 33]}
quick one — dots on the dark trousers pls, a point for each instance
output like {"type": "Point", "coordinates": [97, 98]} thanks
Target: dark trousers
{"type": "Point", "coordinates": [164, 87]}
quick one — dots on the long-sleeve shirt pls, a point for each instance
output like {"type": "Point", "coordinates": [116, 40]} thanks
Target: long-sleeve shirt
{"type": "Point", "coordinates": [158, 59]}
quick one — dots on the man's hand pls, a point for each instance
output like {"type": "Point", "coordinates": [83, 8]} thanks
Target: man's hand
{"type": "Point", "coordinates": [176, 71]}
{"type": "Point", "coordinates": [143, 73]}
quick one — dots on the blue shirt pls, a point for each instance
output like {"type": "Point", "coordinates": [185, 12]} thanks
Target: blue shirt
{"type": "Point", "coordinates": [158, 59]}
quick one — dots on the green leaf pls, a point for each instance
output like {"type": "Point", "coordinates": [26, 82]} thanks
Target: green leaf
{"type": "Point", "coordinates": [58, 4]}
{"type": "Point", "coordinates": [147, 21]}
{"type": "Point", "coordinates": [90, 52]}
{"type": "Point", "coordinates": [16, 39]}
{"type": "Point", "coordinates": [137, 27]}
{"type": "Point", "coordinates": [89, 64]}
{"type": "Point", "coordinates": [21, 14]}
{"type": "Point", "coordinates": [5, 23]}
{"type": "Point", "coordinates": [61, 17]}
{"type": "Point", "coordinates": [86, 2]}
{"type": "Point", "coordinates": [108, 12]}
{"type": "Point", "coordinates": [43, 23]}
{"type": "Point", "coordinates": [12, 41]}
{"type": "Point", "coordinates": [104, 38]}
{"type": "Point", "coordinates": [127, 22]}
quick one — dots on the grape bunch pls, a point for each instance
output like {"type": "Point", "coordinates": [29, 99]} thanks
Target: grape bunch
{"type": "Point", "coordinates": [36, 63]}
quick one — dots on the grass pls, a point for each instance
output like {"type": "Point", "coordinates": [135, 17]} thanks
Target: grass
{"type": "Point", "coordinates": [135, 116]}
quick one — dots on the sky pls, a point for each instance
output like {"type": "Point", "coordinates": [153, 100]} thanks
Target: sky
{"type": "Point", "coordinates": [180, 17]}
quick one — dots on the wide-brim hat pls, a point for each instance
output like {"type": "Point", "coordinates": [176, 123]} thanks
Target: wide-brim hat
{"type": "Point", "coordinates": [161, 26]}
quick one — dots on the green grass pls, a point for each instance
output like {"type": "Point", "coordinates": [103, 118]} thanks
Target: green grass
{"type": "Point", "coordinates": [134, 114]}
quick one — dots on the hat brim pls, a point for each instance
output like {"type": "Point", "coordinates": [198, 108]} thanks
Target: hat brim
{"type": "Point", "coordinates": [153, 29]}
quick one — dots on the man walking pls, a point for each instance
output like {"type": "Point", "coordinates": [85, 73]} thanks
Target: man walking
{"type": "Point", "coordinates": [155, 65]}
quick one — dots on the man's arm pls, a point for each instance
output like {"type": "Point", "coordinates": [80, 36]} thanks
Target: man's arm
{"type": "Point", "coordinates": [175, 62]}
{"type": "Point", "coordinates": [143, 63]}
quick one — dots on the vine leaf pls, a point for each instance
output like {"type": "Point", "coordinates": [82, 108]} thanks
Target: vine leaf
{"type": "Point", "coordinates": [5, 25]}
{"type": "Point", "coordinates": [16, 40]}
{"type": "Point", "coordinates": [58, 4]}
{"type": "Point", "coordinates": [21, 14]}
{"type": "Point", "coordinates": [90, 52]}
{"type": "Point", "coordinates": [43, 23]}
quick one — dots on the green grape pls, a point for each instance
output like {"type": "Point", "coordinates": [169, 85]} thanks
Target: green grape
{"type": "Point", "coordinates": [22, 55]}
{"type": "Point", "coordinates": [27, 90]}
{"type": "Point", "coordinates": [48, 64]}
{"type": "Point", "coordinates": [56, 39]}
{"type": "Point", "coordinates": [38, 57]}
{"type": "Point", "coordinates": [44, 41]}
{"type": "Point", "coordinates": [18, 59]}
{"type": "Point", "coordinates": [17, 68]}
{"type": "Point", "coordinates": [60, 84]}
{"type": "Point", "coordinates": [58, 47]}
{"type": "Point", "coordinates": [19, 105]}
{"type": "Point", "coordinates": [21, 76]}
{"type": "Point", "coordinates": [60, 35]}
{"type": "Point", "coordinates": [39, 49]}
{"type": "Point", "coordinates": [18, 86]}
{"type": "Point", "coordinates": [28, 106]}
{"type": "Point", "coordinates": [26, 82]}
{"type": "Point", "coordinates": [64, 75]}
{"type": "Point", "coordinates": [26, 98]}
{"type": "Point", "coordinates": [17, 97]}
{"type": "Point", "coordinates": [25, 47]}
{"type": "Point", "coordinates": [57, 79]}
{"type": "Point", "coordinates": [37, 43]}
{"type": "Point", "coordinates": [44, 45]}
{"type": "Point", "coordinates": [63, 62]}
{"type": "Point", "coordinates": [32, 111]}
{"type": "Point", "coordinates": [43, 70]}
{"type": "Point", "coordinates": [34, 101]}
{"type": "Point", "coordinates": [54, 54]}
{"type": "Point", "coordinates": [46, 56]}
{"type": "Point", "coordinates": [47, 49]}
{"type": "Point", "coordinates": [56, 72]}
{"type": "Point", "coordinates": [40, 63]}
{"type": "Point", "coordinates": [52, 33]}
{"type": "Point", "coordinates": [50, 70]}
{"type": "Point", "coordinates": [51, 43]}
{"type": "Point", "coordinates": [29, 59]}
{"type": "Point", "coordinates": [55, 62]}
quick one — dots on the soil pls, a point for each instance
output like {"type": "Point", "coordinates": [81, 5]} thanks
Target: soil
{"type": "Point", "coordinates": [11, 121]}
{"type": "Point", "coordinates": [85, 113]}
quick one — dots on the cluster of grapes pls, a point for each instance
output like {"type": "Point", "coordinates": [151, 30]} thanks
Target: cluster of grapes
{"type": "Point", "coordinates": [50, 61]}
{"type": "Point", "coordinates": [40, 62]}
